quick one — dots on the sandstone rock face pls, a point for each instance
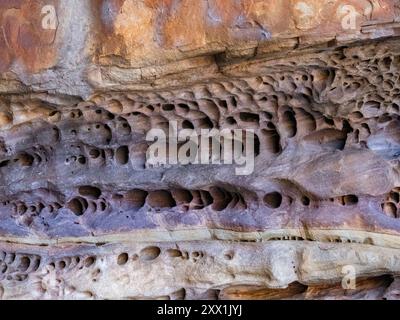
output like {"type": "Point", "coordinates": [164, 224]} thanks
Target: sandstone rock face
{"type": "Point", "coordinates": [84, 215]}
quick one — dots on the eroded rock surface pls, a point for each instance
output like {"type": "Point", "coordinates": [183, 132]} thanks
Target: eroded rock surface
{"type": "Point", "coordinates": [83, 215]}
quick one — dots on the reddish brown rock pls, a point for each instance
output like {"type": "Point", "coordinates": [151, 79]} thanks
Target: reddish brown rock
{"type": "Point", "coordinates": [26, 39]}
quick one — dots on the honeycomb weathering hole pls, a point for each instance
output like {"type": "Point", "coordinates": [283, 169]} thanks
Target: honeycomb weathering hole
{"type": "Point", "coordinates": [94, 153]}
{"type": "Point", "coordinates": [150, 253]}
{"type": "Point", "coordinates": [78, 205]}
{"type": "Point", "coordinates": [273, 200]}
{"type": "Point", "coordinates": [289, 123]}
{"type": "Point", "coordinates": [136, 197]}
{"type": "Point", "coordinates": [182, 196]}
{"type": "Point", "coordinates": [122, 259]}
{"type": "Point", "coordinates": [89, 261]}
{"type": "Point", "coordinates": [25, 159]}
{"type": "Point", "coordinates": [122, 155]}
{"type": "Point", "coordinates": [305, 200]}
{"type": "Point", "coordinates": [161, 199]}
{"type": "Point", "coordinates": [174, 253]}
{"type": "Point", "coordinates": [350, 199]}
{"type": "Point", "coordinates": [89, 191]}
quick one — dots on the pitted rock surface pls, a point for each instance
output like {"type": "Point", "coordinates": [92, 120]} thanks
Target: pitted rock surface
{"type": "Point", "coordinates": [84, 216]}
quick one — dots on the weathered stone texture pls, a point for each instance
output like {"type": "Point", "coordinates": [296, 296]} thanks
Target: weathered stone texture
{"type": "Point", "coordinates": [83, 216]}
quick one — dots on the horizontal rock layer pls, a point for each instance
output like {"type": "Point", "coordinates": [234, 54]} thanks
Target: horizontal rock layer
{"type": "Point", "coordinates": [78, 47]}
{"type": "Point", "coordinates": [197, 270]}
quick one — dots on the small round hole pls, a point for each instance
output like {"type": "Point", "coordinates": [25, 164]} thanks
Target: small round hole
{"type": "Point", "coordinates": [273, 200]}
{"type": "Point", "coordinates": [122, 259]}
{"type": "Point", "coordinates": [305, 200]}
